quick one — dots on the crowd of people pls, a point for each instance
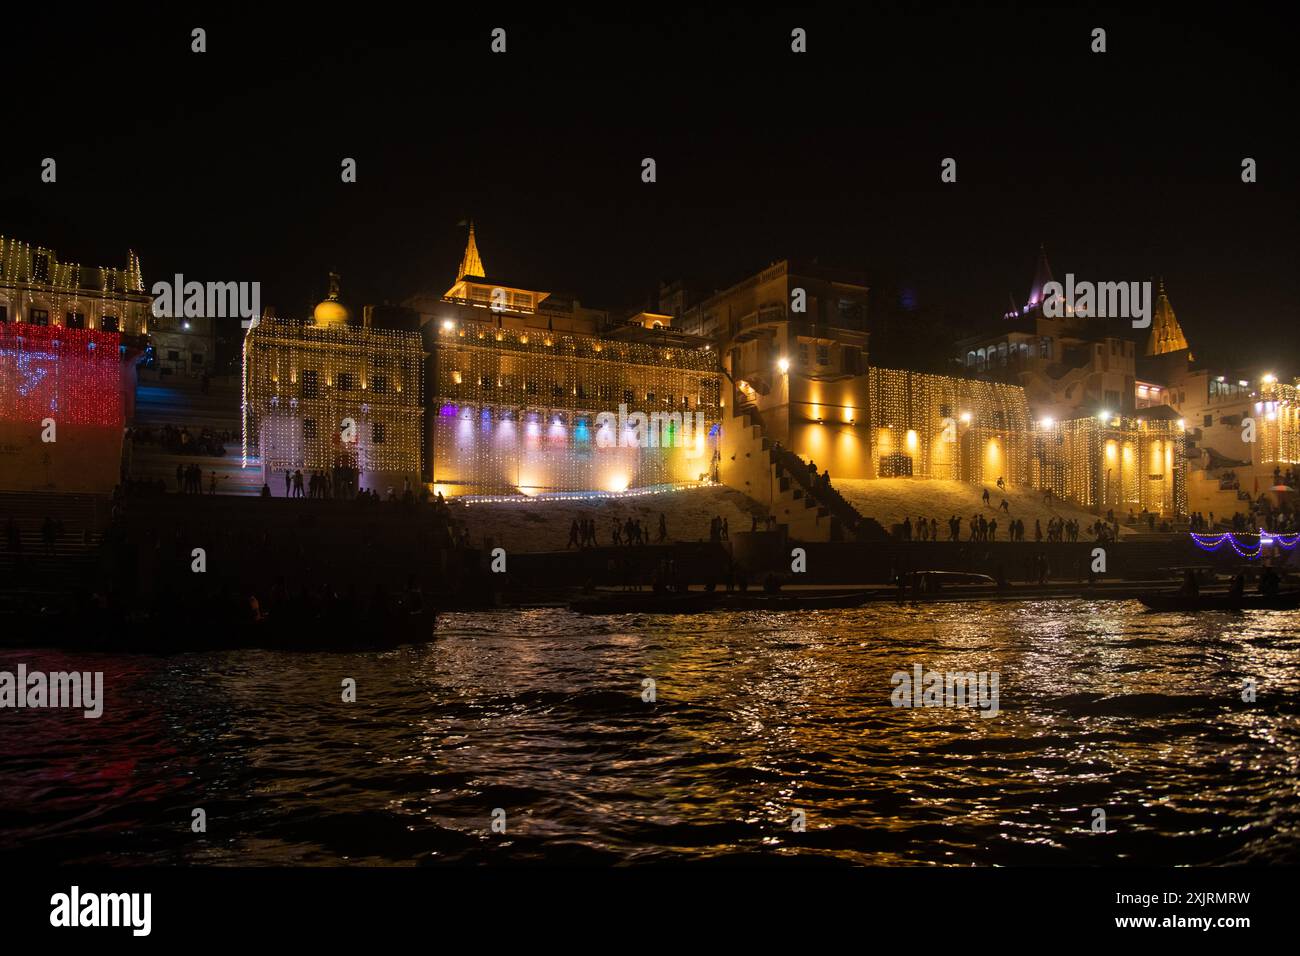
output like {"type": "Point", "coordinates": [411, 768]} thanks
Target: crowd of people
{"type": "Point", "coordinates": [189, 480]}
{"type": "Point", "coordinates": [181, 441]}
{"type": "Point", "coordinates": [984, 529]}
{"type": "Point", "coordinates": [1261, 515]}
{"type": "Point", "coordinates": [340, 482]}
{"type": "Point", "coordinates": [630, 532]}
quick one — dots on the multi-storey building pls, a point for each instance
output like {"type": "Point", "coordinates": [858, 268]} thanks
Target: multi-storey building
{"type": "Point", "coordinates": [37, 289]}
{"type": "Point", "coordinates": [531, 392]}
{"type": "Point", "coordinates": [335, 396]}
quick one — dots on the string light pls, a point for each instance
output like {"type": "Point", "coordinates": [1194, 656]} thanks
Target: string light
{"type": "Point", "coordinates": [40, 281]}
{"type": "Point", "coordinates": [302, 384]}
{"type": "Point", "coordinates": [938, 426]}
{"type": "Point", "coordinates": [1114, 462]}
{"type": "Point", "coordinates": [1279, 425]}
{"type": "Point", "coordinates": [1213, 542]}
{"type": "Point", "coordinates": [70, 375]}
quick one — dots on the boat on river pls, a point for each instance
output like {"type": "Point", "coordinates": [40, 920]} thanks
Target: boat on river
{"type": "Point", "coordinates": [1220, 601]}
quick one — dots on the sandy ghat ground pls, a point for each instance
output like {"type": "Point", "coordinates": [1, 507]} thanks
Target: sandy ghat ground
{"type": "Point", "coordinates": [544, 525]}
{"type": "Point", "coordinates": [890, 500]}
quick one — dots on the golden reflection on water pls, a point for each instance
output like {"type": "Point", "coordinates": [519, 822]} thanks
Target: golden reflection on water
{"type": "Point", "coordinates": [756, 717]}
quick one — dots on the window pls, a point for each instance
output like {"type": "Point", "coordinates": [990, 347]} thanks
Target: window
{"type": "Point", "coordinates": [344, 381]}
{"type": "Point", "coordinates": [823, 354]}
{"type": "Point", "coordinates": [852, 312]}
{"type": "Point", "coordinates": [310, 387]}
{"type": "Point", "coordinates": [1112, 399]}
{"type": "Point", "coordinates": [196, 358]}
{"type": "Point", "coordinates": [628, 397]}
{"type": "Point", "coordinates": [4, 313]}
{"type": "Point", "coordinates": [1209, 420]}
{"type": "Point", "coordinates": [380, 384]}
{"type": "Point", "coordinates": [173, 355]}
{"type": "Point", "coordinates": [377, 433]}
{"type": "Point", "coordinates": [75, 320]}
{"type": "Point", "coordinates": [852, 359]}
{"type": "Point", "coordinates": [650, 398]}
{"type": "Point", "coordinates": [1045, 347]}
{"type": "Point", "coordinates": [109, 323]}
{"type": "Point", "coordinates": [39, 317]}
{"type": "Point", "coordinates": [803, 354]}
{"type": "Point", "coordinates": [309, 428]}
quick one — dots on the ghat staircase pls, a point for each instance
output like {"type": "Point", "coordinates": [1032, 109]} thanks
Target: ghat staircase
{"type": "Point", "coordinates": [185, 404]}
{"type": "Point", "coordinates": [777, 477]}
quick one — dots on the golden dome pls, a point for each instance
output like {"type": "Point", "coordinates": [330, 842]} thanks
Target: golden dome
{"type": "Point", "coordinates": [331, 312]}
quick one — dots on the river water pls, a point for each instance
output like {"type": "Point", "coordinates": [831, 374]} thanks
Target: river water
{"type": "Point", "coordinates": [538, 720]}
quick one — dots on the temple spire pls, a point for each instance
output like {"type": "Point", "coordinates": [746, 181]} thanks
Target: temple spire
{"type": "Point", "coordinates": [471, 264]}
{"type": "Point", "coordinates": [1166, 334]}
{"type": "Point", "coordinates": [1042, 276]}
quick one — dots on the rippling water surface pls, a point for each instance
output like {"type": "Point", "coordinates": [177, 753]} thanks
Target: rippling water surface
{"type": "Point", "coordinates": [540, 713]}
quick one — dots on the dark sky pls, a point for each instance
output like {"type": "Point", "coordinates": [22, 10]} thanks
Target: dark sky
{"type": "Point", "coordinates": [225, 165]}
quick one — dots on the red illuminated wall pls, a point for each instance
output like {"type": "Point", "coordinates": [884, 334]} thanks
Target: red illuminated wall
{"type": "Point", "coordinates": [74, 377]}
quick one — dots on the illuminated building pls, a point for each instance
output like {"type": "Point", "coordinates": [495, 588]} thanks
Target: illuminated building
{"type": "Point", "coordinates": [1069, 366]}
{"type": "Point", "coordinates": [507, 390]}
{"type": "Point", "coordinates": [73, 382]}
{"type": "Point", "coordinates": [334, 396]}
{"type": "Point", "coordinates": [69, 339]}
{"type": "Point", "coordinates": [1278, 421]}
{"type": "Point", "coordinates": [793, 341]}
{"type": "Point", "coordinates": [1112, 462]}
{"type": "Point", "coordinates": [531, 393]}
{"type": "Point", "coordinates": [1240, 426]}
{"type": "Point", "coordinates": [937, 426]}
{"type": "Point", "coordinates": [36, 288]}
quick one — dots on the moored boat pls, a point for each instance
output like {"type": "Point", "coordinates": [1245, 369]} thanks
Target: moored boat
{"type": "Point", "coordinates": [1220, 601]}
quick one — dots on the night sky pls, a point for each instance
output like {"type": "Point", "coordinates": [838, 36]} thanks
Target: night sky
{"type": "Point", "coordinates": [225, 166]}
